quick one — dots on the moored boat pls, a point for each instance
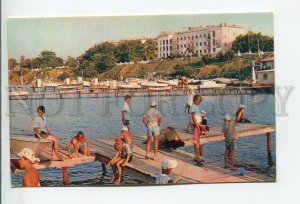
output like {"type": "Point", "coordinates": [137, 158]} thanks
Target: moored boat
{"type": "Point", "coordinates": [153, 84]}
{"type": "Point", "coordinates": [208, 84]}
{"type": "Point", "coordinates": [160, 89]}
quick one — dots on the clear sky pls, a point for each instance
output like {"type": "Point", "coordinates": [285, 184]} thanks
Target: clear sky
{"type": "Point", "coordinates": [71, 36]}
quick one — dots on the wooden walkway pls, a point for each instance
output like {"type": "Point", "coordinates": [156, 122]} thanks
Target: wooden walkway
{"type": "Point", "coordinates": [145, 170]}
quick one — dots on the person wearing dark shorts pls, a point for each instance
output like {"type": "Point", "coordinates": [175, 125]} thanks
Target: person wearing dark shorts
{"type": "Point", "coordinates": [171, 138]}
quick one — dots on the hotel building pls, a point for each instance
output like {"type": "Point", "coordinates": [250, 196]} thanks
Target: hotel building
{"type": "Point", "coordinates": [198, 40]}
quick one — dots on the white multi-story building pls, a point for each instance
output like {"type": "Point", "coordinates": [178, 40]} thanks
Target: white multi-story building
{"type": "Point", "coordinates": [198, 40]}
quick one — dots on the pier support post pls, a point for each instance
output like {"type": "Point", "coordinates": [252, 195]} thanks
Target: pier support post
{"type": "Point", "coordinates": [103, 168]}
{"type": "Point", "coordinates": [65, 175]}
{"type": "Point", "coordinates": [269, 144]}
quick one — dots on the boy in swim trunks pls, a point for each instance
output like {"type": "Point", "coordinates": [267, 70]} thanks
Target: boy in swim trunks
{"type": "Point", "coordinates": [120, 160]}
{"type": "Point", "coordinates": [81, 144]}
{"type": "Point", "coordinates": [125, 136]}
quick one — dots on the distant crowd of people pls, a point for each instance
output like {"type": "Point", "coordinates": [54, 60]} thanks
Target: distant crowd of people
{"type": "Point", "coordinates": [124, 143]}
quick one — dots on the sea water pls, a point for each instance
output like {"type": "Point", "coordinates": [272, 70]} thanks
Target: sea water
{"type": "Point", "coordinates": [100, 117]}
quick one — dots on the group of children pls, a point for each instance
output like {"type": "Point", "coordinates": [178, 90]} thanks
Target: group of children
{"type": "Point", "coordinates": [124, 142]}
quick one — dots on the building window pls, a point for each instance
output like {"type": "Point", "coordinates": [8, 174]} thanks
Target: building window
{"type": "Point", "coordinates": [204, 43]}
{"type": "Point", "coordinates": [167, 49]}
{"type": "Point", "coordinates": [225, 44]}
{"type": "Point", "coordinates": [200, 43]}
{"type": "Point", "coordinates": [170, 48]}
{"type": "Point", "coordinates": [204, 35]}
{"type": "Point", "coordinates": [200, 35]}
{"type": "Point", "coordinates": [192, 37]}
{"type": "Point", "coordinates": [181, 38]}
{"type": "Point", "coordinates": [265, 77]}
{"type": "Point", "coordinates": [177, 39]}
{"type": "Point", "coordinates": [200, 51]}
{"type": "Point", "coordinates": [204, 51]}
{"type": "Point", "coordinates": [256, 76]}
{"type": "Point", "coordinates": [171, 41]}
{"type": "Point", "coordinates": [167, 42]}
{"type": "Point", "coordinates": [177, 46]}
{"type": "Point", "coordinates": [214, 34]}
{"type": "Point", "coordinates": [184, 45]}
{"type": "Point", "coordinates": [214, 49]}
{"type": "Point", "coordinates": [188, 37]}
{"type": "Point", "coordinates": [214, 42]}
{"type": "Point", "coordinates": [196, 44]}
{"type": "Point", "coordinates": [196, 36]}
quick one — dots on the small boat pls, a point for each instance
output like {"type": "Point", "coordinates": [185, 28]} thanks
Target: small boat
{"type": "Point", "coordinates": [153, 84]}
{"type": "Point", "coordinates": [194, 81]}
{"type": "Point", "coordinates": [129, 86]}
{"type": "Point", "coordinates": [18, 142]}
{"type": "Point", "coordinates": [225, 80]}
{"type": "Point", "coordinates": [18, 93]}
{"type": "Point", "coordinates": [86, 83]}
{"type": "Point", "coordinates": [160, 89]}
{"type": "Point", "coordinates": [208, 84]}
{"type": "Point", "coordinates": [173, 82]}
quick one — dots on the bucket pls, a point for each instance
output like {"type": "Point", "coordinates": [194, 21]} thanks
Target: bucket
{"type": "Point", "coordinates": [242, 171]}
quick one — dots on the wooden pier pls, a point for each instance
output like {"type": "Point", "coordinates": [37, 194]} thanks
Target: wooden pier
{"type": "Point", "coordinates": [90, 92]}
{"type": "Point", "coordinates": [145, 170]}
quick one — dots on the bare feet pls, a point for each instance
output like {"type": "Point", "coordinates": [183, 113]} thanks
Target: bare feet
{"type": "Point", "coordinates": [155, 158]}
{"type": "Point", "coordinates": [119, 181]}
{"type": "Point", "coordinates": [113, 178]}
{"type": "Point", "coordinates": [226, 166]}
{"type": "Point", "coordinates": [56, 159]}
{"type": "Point", "coordinates": [146, 157]}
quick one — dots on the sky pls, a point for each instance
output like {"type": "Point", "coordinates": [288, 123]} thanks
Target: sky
{"type": "Point", "coordinates": [71, 36]}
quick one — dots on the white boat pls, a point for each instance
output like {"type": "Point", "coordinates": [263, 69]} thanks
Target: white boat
{"type": "Point", "coordinates": [18, 142]}
{"type": "Point", "coordinates": [86, 83]}
{"type": "Point", "coordinates": [129, 86]}
{"type": "Point", "coordinates": [194, 81]}
{"type": "Point", "coordinates": [173, 82]}
{"type": "Point", "coordinates": [225, 81]}
{"type": "Point", "coordinates": [18, 93]}
{"type": "Point", "coordinates": [208, 84]}
{"type": "Point", "coordinates": [153, 84]}
{"type": "Point", "coordinates": [160, 89]}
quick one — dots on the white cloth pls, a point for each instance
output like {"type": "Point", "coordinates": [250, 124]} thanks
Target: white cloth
{"type": "Point", "coordinates": [152, 116]}
{"type": "Point", "coordinates": [190, 98]}
{"type": "Point", "coordinates": [40, 123]}
{"type": "Point", "coordinates": [195, 109]}
{"type": "Point", "coordinates": [162, 179]}
{"type": "Point", "coordinates": [127, 111]}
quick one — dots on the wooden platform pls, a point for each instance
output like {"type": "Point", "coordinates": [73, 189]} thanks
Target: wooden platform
{"type": "Point", "coordinates": [145, 170]}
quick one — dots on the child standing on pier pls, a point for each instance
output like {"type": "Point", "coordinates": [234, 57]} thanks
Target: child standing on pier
{"type": "Point", "coordinates": [190, 98]}
{"type": "Point", "coordinates": [126, 119]}
{"type": "Point", "coordinates": [196, 121]}
{"type": "Point", "coordinates": [120, 160]}
{"type": "Point", "coordinates": [152, 120]}
{"type": "Point", "coordinates": [167, 167]}
{"type": "Point", "coordinates": [81, 144]}
{"type": "Point", "coordinates": [230, 141]}
{"type": "Point", "coordinates": [26, 159]}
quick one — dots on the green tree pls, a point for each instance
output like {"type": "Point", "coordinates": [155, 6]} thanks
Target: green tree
{"type": "Point", "coordinates": [150, 50]}
{"type": "Point", "coordinates": [71, 62]}
{"type": "Point", "coordinates": [12, 63]}
{"type": "Point", "coordinates": [255, 40]}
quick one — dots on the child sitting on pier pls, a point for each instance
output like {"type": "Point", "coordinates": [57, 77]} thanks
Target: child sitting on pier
{"type": "Point", "coordinates": [167, 167]}
{"type": "Point", "coordinates": [126, 111]}
{"type": "Point", "coordinates": [26, 159]}
{"type": "Point", "coordinates": [81, 144]}
{"type": "Point", "coordinates": [203, 125]}
{"type": "Point", "coordinates": [126, 137]}
{"type": "Point", "coordinates": [196, 121]}
{"type": "Point", "coordinates": [230, 141]}
{"type": "Point", "coordinates": [120, 160]}
{"type": "Point", "coordinates": [240, 115]}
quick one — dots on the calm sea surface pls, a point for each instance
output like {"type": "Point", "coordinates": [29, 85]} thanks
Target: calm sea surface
{"type": "Point", "coordinates": [102, 116]}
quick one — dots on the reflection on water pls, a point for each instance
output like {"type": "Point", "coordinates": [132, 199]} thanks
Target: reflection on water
{"type": "Point", "coordinates": [101, 116]}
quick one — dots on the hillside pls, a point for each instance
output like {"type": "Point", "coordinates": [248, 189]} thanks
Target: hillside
{"type": "Point", "coordinates": [191, 67]}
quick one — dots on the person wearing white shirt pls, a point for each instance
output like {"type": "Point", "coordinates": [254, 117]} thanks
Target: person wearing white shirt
{"type": "Point", "coordinates": [43, 132]}
{"type": "Point", "coordinates": [196, 121]}
{"type": "Point", "coordinates": [126, 119]}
